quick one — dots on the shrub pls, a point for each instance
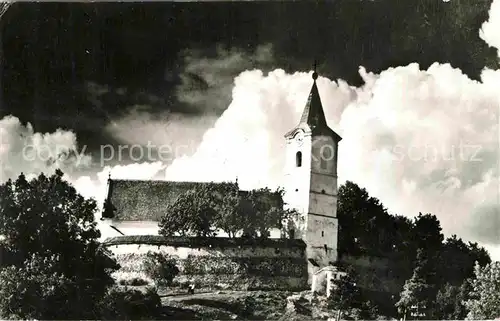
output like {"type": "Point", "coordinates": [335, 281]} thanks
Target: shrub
{"type": "Point", "coordinates": [161, 269]}
{"type": "Point", "coordinates": [31, 292]}
{"type": "Point", "coordinates": [131, 304]}
{"type": "Point", "coordinates": [133, 282]}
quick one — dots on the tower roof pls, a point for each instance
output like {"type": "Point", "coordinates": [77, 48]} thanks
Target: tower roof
{"type": "Point", "coordinates": [313, 117]}
{"type": "Point", "coordinates": [313, 114]}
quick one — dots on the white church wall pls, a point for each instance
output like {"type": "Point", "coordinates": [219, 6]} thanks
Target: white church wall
{"type": "Point", "coordinates": [151, 228]}
{"type": "Point", "coordinates": [297, 179]}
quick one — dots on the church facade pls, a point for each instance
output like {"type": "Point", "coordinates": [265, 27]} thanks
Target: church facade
{"type": "Point", "coordinates": [135, 206]}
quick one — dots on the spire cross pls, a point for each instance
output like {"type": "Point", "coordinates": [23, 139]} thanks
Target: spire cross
{"type": "Point", "coordinates": [315, 73]}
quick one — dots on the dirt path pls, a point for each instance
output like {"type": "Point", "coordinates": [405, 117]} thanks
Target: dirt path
{"type": "Point", "coordinates": [204, 295]}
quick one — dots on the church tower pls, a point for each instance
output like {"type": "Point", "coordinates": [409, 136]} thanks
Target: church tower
{"type": "Point", "coordinates": [311, 182]}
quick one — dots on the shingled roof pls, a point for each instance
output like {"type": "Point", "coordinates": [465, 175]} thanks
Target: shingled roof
{"type": "Point", "coordinates": [313, 117]}
{"type": "Point", "coordinates": [144, 200]}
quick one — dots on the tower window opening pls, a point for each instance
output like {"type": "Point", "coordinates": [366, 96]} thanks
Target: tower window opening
{"type": "Point", "coordinates": [298, 159]}
{"type": "Point", "coordinates": [322, 233]}
{"type": "Point", "coordinates": [323, 191]}
{"type": "Point", "coordinates": [326, 249]}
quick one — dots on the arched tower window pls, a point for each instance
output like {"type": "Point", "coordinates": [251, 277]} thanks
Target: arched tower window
{"type": "Point", "coordinates": [298, 159]}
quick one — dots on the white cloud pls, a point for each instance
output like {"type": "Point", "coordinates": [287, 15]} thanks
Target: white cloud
{"type": "Point", "coordinates": [420, 140]}
{"type": "Point", "coordinates": [490, 29]}
{"type": "Point", "coordinates": [24, 150]}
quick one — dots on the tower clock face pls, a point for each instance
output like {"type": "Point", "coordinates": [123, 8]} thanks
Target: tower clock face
{"type": "Point", "coordinates": [328, 152]}
{"type": "Point", "coordinates": [299, 137]}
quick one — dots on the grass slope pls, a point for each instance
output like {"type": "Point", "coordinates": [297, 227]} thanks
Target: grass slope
{"type": "Point", "coordinates": [227, 305]}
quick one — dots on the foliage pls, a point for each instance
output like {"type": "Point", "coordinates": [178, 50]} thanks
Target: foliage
{"type": "Point", "coordinates": [348, 296]}
{"type": "Point", "coordinates": [260, 211]}
{"type": "Point", "coordinates": [210, 207]}
{"type": "Point", "coordinates": [160, 268]}
{"type": "Point", "coordinates": [416, 291]}
{"type": "Point", "coordinates": [38, 291]}
{"type": "Point", "coordinates": [457, 259]}
{"type": "Point", "coordinates": [484, 302]}
{"type": "Point", "coordinates": [427, 234]}
{"type": "Point", "coordinates": [361, 220]}
{"type": "Point", "coordinates": [193, 213]}
{"type": "Point", "coordinates": [133, 282]}
{"type": "Point", "coordinates": [55, 260]}
{"type": "Point", "coordinates": [450, 302]}
{"type": "Point", "coordinates": [227, 206]}
{"type": "Point", "coordinates": [126, 304]}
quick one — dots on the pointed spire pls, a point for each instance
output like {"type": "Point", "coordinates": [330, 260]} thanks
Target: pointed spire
{"type": "Point", "coordinates": [313, 114]}
{"type": "Point", "coordinates": [313, 118]}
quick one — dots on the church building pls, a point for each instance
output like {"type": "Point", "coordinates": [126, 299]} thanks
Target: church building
{"type": "Point", "coordinates": [135, 206]}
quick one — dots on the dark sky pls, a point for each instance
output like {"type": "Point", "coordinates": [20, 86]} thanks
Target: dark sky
{"type": "Point", "coordinates": [53, 50]}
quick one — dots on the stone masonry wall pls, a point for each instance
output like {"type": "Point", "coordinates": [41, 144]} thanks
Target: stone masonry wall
{"type": "Point", "coordinates": [219, 262]}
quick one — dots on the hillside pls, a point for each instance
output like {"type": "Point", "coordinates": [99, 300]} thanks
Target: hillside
{"type": "Point", "coordinates": [241, 305]}
{"type": "Point", "coordinates": [248, 305]}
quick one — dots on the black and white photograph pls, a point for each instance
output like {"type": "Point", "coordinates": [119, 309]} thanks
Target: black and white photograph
{"type": "Point", "coordinates": [250, 160]}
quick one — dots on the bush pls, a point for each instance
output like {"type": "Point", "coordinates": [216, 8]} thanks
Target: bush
{"type": "Point", "coordinates": [161, 269]}
{"type": "Point", "coordinates": [36, 289]}
{"type": "Point", "coordinates": [127, 304]}
{"type": "Point", "coordinates": [134, 282]}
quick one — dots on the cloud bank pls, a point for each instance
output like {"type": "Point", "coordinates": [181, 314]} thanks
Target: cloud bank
{"type": "Point", "coordinates": [419, 140]}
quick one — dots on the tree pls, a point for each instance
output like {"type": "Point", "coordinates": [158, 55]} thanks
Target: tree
{"type": "Point", "coordinates": [457, 259]}
{"type": "Point", "coordinates": [345, 293]}
{"type": "Point", "coordinates": [160, 268]}
{"type": "Point", "coordinates": [228, 208]}
{"type": "Point", "coordinates": [55, 260]}
{"type": "Point", "coordinates": [450, 302]}
{"type": "Point", "coordinates": [347, 296]}
{"type": "Point", "coordinates": [427, 233]}
{"type": "Point", "coordinates": [193, 213]}
{"type": "Point", "coordinates": [211, 207]}
{"type": "Point", "coordinates": [484, 302]}
{"type": "Point", "coordinates": [416, 291]}
{"type": "Point", "coordinates": [261, 210]}
{"type": "Point", "coordinates": [360, 219]}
